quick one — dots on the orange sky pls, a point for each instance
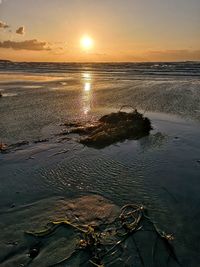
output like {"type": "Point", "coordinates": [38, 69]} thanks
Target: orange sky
{"type": "Point", "coordinates": [128, 30]}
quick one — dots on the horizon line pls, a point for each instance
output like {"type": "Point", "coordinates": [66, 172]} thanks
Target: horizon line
{"type": "Point", "coordinates": [100, 62]}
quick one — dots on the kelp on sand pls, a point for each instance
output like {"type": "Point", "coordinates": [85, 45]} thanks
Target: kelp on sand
{"type": "Point", "coordinates": [112, 128]}
{"type": "Point", "coordinates": [130, 239]}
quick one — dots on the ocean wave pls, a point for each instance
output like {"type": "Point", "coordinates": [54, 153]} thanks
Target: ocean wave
{"type": "Point", "coordinates": [117, 69]}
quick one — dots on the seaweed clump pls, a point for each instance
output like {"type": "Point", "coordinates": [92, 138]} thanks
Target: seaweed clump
{"type": "Point", "coordinates": [128, 238]}
{"type": "Point", "coordinates": [112, 128]}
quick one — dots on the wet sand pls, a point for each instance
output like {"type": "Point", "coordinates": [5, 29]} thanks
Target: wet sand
{"type": "Point", "coordinates": [160, 171]}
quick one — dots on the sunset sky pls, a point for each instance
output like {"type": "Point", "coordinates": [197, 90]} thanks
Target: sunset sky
{"type": "Point", "coordinates": [119, 30]}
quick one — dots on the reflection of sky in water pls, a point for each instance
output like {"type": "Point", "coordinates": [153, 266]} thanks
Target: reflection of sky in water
{"type": "Point", "coordinates": [21, 77]}
{"type": "Point", "coordinates": [8, 94]}
{"type": "Point", "coordinates": [86, 92]}
{"type": "Point", "coordinates": [32, 86]}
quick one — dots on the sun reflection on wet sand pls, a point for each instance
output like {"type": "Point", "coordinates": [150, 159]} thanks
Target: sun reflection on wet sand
{"type": "Point", "coordinates": [86, 92]}
{"type": "Point", "coordinates": [87, 86]}
{"type": "Point", "coordinates": [86, 76]}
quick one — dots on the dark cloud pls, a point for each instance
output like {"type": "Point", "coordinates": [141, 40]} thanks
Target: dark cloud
{"type": "Point", "coordinates": [3, 25]}
{"type": "Point", "coordinates": [33, 45]}
{"type": "Point", "coordinates": [21, 30]}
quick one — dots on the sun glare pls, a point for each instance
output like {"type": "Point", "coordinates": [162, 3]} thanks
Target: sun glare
{"type": "Point", "coordinates": [87, 42]}
{"type": "Point", "coordinates": [87, 87]}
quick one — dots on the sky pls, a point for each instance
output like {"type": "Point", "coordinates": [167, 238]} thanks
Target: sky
{"type": "Point", "coordinates": [121, 30]}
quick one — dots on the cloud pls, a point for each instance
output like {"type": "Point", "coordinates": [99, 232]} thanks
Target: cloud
{"type": "Point", "coordinates": [33, 45]}
{"type": "Point", "coordinates": [21, 30]}
{"type": "Point", "coordinates": [3, 25]}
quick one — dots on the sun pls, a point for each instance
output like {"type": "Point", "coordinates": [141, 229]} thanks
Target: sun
{"type": "Point", "coordinates": [87, 42]}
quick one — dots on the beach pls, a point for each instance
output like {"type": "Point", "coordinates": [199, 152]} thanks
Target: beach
{"type": "Point", "coordinates": [160, 171]}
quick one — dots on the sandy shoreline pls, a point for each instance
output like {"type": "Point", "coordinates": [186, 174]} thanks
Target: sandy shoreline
{"type": "Point", "coordinates": [161, 171]}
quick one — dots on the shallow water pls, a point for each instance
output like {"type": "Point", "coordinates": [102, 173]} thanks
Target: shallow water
{"type": "Point", "coordinates": [36, 97]}
{"type": "Point", "coordinates": [161, 171]}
